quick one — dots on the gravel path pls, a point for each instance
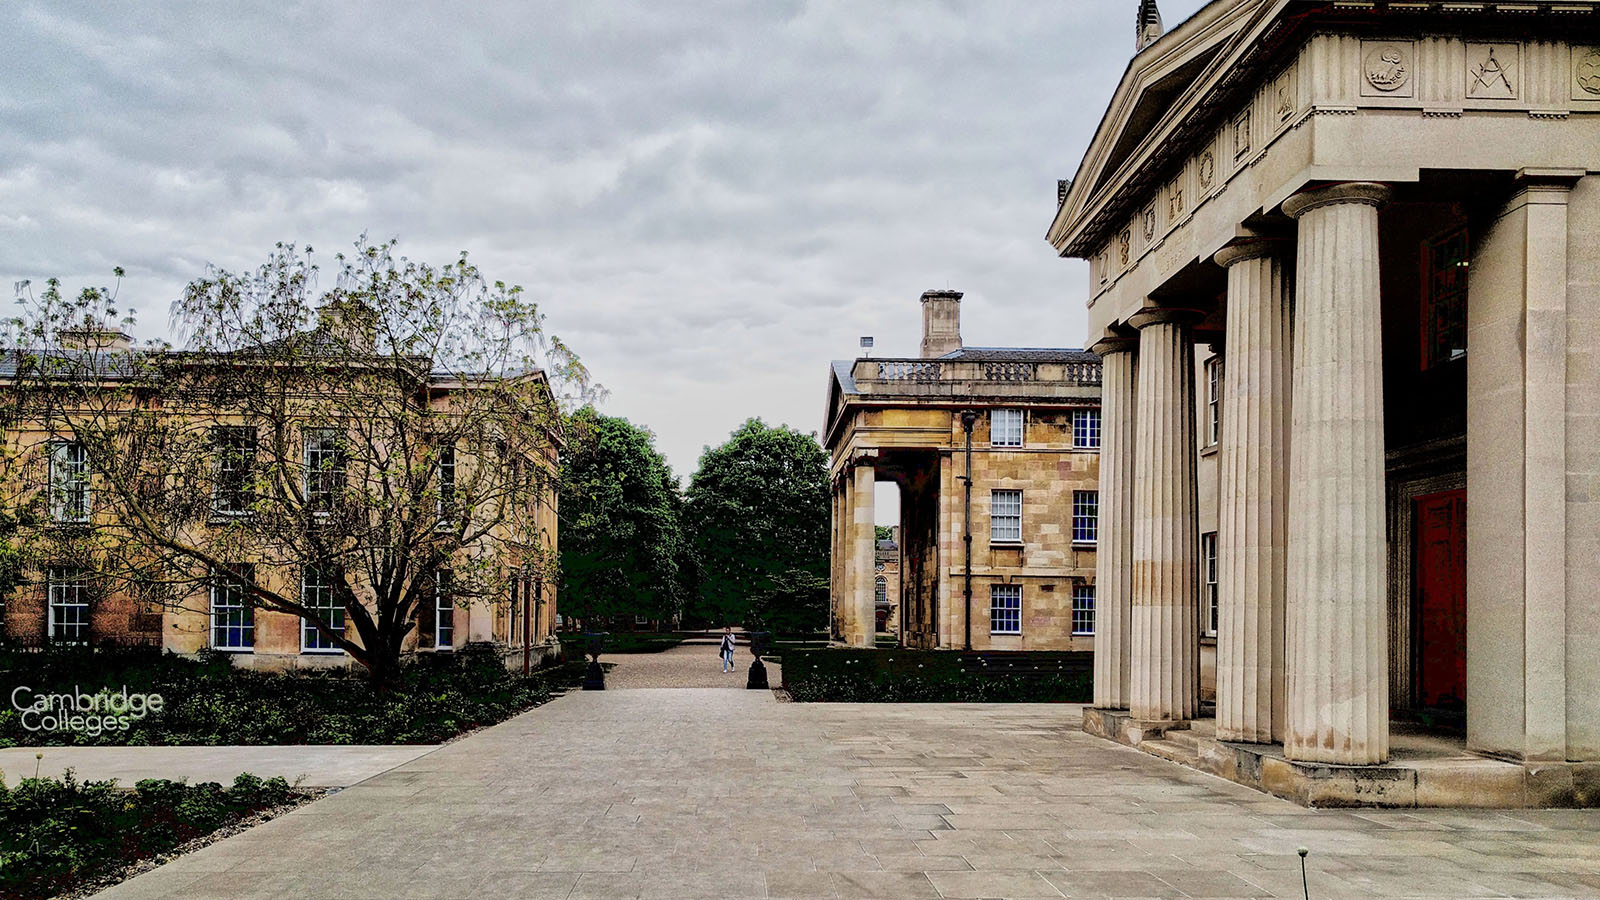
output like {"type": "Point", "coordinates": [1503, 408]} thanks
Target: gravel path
{"type": "Point", "coordinates": [692, 664]}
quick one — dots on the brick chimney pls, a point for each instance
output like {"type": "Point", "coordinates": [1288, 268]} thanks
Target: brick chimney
{"type": "Point", "coordinates": [941, 323]}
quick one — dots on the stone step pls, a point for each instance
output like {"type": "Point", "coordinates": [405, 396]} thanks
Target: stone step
{"type": "Point", "coordinates": [1171, 751]}
{"type": "Point", "coordinates": [1185, 738]}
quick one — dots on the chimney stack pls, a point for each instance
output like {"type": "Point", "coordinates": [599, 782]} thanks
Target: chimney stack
{"type": "Point", "coordinates": [941, 323]}
{"type": "Point", "coordinates": [94, 338]}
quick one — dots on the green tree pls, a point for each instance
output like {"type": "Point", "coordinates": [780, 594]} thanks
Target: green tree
{"type": "Point", "coordinates": [376, 434]}
{"type": "Point", "coordinates": [758, 513]}
{"type": "Point", "coordinates": [622, 542]}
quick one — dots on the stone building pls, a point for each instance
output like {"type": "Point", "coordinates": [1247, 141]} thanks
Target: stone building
{"type": "Point", "coordinates": [1032, 420]}
{"type": "Point", "coordinates": [52, 484]}
{"type": "Point", "coordinates": [1345, 275]}
{"type": "Point", "coordinates": [886, 583]}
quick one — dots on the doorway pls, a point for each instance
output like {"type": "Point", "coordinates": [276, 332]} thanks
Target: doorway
{"type": "Point", "coordinates": [1441, 600]}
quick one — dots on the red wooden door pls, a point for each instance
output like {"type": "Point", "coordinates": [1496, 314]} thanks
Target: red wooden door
{"type": "Point", "coordinates": [1441, 566]}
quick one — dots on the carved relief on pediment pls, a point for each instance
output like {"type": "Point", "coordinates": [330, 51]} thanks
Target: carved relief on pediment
{"type": "Point", "coordinates": [1387, 68]}
{"type": "Point", "coordinates": [1586, 73]}
{"type": "Point", "coordinates": [1492, 71]}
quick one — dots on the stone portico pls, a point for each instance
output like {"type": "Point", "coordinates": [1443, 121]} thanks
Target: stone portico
{"type": "Point", "coordinates": [1345, 274]}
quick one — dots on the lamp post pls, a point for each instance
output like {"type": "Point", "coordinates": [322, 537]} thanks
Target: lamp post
{"type": "Point", "coordinates": [968, 419]}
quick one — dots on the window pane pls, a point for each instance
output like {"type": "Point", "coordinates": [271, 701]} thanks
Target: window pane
{"type": "Point", "coordinates": [236, 452]}
{"type": "Point", "coordinates": [68, 590]}
{"type": "Point", "coordinates": [1005, 516]}
{"type": "Point", "coordinates": [1085, 516]}
{"type": "Point", "coordinates": [1086, 428]}
{"type": "Point", "coordinates": [444, 611]}
{"type": "Point", "coordinates": [1005, 609]}
{"type": "Point", "coordinates": [232, 614]}
{"type": "Point", "coordinates": [1005, 428]}
{"type": "Point", "coordinates": [1083, 609]}
{"type": "Point", "coordinates": [69, 482]}
{"type": "Point", "coordinates": [1208, 571]}
{"type": "Point", "coordinates": [324, 462]}
{"type": "Point", "coordinates": [317, 593]}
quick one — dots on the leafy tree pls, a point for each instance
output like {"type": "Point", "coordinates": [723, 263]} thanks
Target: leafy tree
{"type": "Point", "coordinates": [883, 532]}
{"type": "Point", "coordinates": [758, 511]}
{"type": "Point", "coordinates": [377, 433]}
{"type": "Point", "coordinates": [622, 542]}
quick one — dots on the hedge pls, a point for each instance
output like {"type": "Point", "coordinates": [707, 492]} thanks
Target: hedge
{"type": "Point", "coordinates": [208, 702]}
{"type": "Point", "coordinates": [937, 676]}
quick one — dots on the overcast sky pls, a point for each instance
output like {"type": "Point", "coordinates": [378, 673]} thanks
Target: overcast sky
{"type": "Point", "coordinates": [708, 200]}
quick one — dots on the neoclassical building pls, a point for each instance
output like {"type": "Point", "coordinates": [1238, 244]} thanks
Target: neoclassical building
{"type": "Point", "coordinates": [1345, 280]}
{"type": "Point", "coordinates": [1022, 428]}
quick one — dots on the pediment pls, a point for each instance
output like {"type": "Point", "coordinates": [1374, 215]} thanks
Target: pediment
{"type": "Point", "coordinates": [1159, 86]}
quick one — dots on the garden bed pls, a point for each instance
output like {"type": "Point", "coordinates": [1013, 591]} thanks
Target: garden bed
{"type": "Point", "coordinates": [63, 837]}
{"type": "Point", "coordinates": [936, 676]}
{"type": "Point", "coordinates": [206, 701]}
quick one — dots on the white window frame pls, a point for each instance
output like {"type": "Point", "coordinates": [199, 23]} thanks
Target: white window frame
{"type": "Point", "coordinates": [1007, 594]}
{"type": "Point", "coordinates": [1083, 596]}
{"type": "Point", "coordinates": [312, 638]}
{"type": "Point", "coordinates": [322, 445]}
{"type": "Point", "coordinates": [1213, 401]}
{"type": "Point", "coordinates": [230, 597]}
{"type": "Point", "coordinates": [514, 638]}
{"type": "Point", "coordinates": [445, 470]}
{"type": "Point", "coordinates": [1086, 429]}
{"type": "Point", "coordinates": [1001, 515]}
{"type": "Point", "coordinates": [67, 588]}
{"type": "Point", "coordinates": [444, 608]}
{"type": "Point", "coordinates": [1006, 427]}
{"type": "Point", "coordinates": [236, 451]}
{"type": "Point", "coordinates": [1086, 518]}
{"type": "Point", "coordinates": [1209, 611]}
{"type": "Point", "coordinates": [71, 500]}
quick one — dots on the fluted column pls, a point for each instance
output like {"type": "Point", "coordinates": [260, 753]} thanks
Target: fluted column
{"type": "Point", "coordinates": [863, 543]}
{"type": "Point", "coordinates": [1253, 495]}
{"type": "Point", "coordinates": [1113, 627]}
{"type": "Point", "coordinates": [1164, 679]}
{"type": "Point", "coordinates": [836, 586]}
{"type": "Point", "coordinates": [1338, 660]}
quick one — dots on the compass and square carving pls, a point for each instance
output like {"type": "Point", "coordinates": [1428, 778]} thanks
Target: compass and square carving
{"type": "Point", "coordinates": [1492, 72]}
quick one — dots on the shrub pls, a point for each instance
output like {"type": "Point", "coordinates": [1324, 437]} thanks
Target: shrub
{"type": "Point", "coordinates": [935, 676]}
{"type": "Point", "coordinates": [56, 834]}
{"type": "Point", "coordinates": [209, 702]}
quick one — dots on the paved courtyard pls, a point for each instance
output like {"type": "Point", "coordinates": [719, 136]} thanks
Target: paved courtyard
{"type": "Point", "coordinates": [692, 664]}
{"type": "Point", "coordinates": [682, 793]}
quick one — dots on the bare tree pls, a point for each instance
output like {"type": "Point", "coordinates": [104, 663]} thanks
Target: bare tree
{"type": "Point", "coordinates": [342, 455]}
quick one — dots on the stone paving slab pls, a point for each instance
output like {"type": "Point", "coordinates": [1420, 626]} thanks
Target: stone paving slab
{"type": "Point", "coordinates": [731, 794]}
{"type": "Point", "coordinates": [692, 664]}
{"type": "Point", "coordinates": [314, 766]}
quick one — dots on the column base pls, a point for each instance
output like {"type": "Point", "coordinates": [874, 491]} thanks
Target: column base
{"type": "Point", "coordinates": [1119, 725]}
{"type": "Point", "coordinates": [1430, 776]}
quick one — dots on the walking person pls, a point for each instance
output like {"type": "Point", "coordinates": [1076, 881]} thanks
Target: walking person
{"type": "Point", "coordinates": [727, 650]}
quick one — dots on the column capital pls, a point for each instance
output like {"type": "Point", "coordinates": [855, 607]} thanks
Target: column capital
{"type": "Point", "coordinates": [1249, 248]}
{"type": "Point", "coordinates": [1109, 345]}
{"type": "Point", "coordinates": [1156, 315]}
{"type": "Point", "coordinates": [1369, 192]}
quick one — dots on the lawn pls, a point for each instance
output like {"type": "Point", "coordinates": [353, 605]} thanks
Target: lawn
{"type": "Point", "coordinates": [206, 701]}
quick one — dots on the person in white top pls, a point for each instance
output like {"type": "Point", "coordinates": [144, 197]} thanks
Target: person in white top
{"type": "Point", "coordinates": [727, 650]}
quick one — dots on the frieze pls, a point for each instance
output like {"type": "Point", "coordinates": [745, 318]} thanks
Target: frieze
{"type": "Point", "coordinates": [1586, 73]}
{"type": "Point", "coordinates": [1492, 71]}
{"type": "Point", "coordinates": [1387, 68]}
{"type": "Point", "coordinates": [1241, 136]}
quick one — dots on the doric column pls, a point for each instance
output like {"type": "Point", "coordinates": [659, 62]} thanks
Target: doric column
{"type": "Point", "coordinates": [863, 543]}
{"type": "Point", "coordinates": [1113, 625]}
{"type": "Point", "coordinates": [1164, 679]}
{"type": "Point", "coordinates": [1253, 495]}
{"type": "Point", "coordinates": [1338, 659]}
{"type": "Point", "coordinates": [836, 585]}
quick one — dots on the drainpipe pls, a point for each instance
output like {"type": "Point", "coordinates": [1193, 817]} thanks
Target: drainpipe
{"type": "Point", "coordinates": [968, 418]}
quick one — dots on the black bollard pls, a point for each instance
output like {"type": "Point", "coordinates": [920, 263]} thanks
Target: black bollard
{"type": "Point", "coordinates": [594, 678]}
{"type": "Point", "coordinates": [758, 670]}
